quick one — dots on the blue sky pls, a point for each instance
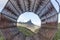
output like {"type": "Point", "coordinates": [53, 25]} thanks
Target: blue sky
{"type": "Point", "coordinates": [30, 16]}
{"type": "Point", "coordinates": [3, 3]}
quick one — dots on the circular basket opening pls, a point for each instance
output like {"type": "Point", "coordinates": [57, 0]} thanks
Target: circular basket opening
{"type": "Point", "coordinates": [29, 23]}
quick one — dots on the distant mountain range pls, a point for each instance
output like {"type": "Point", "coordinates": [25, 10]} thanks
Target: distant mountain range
{"type": "Point", "coordinates": [29, 22]}
{"type": "Point", "coordinates": [28, 25]}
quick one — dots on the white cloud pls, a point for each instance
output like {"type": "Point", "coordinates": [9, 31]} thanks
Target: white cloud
{"type": "Point", "coordinates": [23, 18]}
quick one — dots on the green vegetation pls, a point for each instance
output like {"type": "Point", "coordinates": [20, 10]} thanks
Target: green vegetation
{"type": "Point", "coordinates": [26, 31]}
{"type": "Point", "coordinates": [29, 33]}
{"type": "Point", "coordinates": [57, 36]}
{"type": "Point", "coordinates": [1, 37]}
